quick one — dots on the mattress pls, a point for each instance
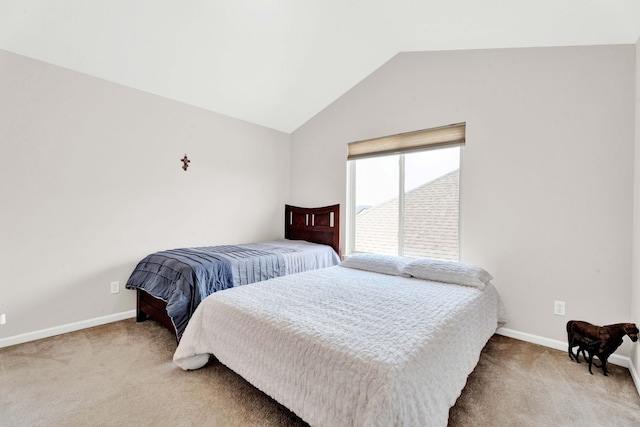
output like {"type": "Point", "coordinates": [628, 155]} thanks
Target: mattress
{"type": "Point", "coordinates": [346, 347]}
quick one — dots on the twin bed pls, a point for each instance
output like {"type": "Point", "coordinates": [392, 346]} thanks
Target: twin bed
{"type": "Point", "coordinates": [374, 341]}
{"type": "Point", "coordinates": [170, 284]}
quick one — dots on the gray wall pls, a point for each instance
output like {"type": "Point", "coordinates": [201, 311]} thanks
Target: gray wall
{"type": "Point", "coordinates": [91, 179]}
{"type": "Point", "coordinates": [635, 294]}
{"type": "Point", "coordinates": [547, 171]}
{"type": "Point", "coordinates": [91, 182]}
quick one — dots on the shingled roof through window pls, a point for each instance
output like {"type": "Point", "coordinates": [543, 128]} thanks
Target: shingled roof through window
{"type": "Point", "coordinates": [430, 225]}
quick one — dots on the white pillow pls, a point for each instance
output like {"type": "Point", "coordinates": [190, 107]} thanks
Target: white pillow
{"type": "Point", "coordinates": [448, 271]}
{"type": "Point", "coordinates": [377, 263]}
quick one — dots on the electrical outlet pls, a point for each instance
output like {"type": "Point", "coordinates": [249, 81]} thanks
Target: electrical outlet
{"type": "Point", "coordinates": [115, 287]}
{"type": "Point", "coordinates": [558, 308]}
{"type": "Point", "coordinates": [3, 319]}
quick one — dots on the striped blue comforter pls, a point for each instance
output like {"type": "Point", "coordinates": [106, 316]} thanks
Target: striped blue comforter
{"type": "Point", "coordinates": [184, 277]}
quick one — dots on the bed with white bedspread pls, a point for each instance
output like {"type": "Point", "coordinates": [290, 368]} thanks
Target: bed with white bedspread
{"type": "Point", "coordinates": [347, 346]}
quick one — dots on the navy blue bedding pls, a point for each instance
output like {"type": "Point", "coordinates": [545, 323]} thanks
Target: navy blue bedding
{"type": "Point", "coordinates": [184, 277]}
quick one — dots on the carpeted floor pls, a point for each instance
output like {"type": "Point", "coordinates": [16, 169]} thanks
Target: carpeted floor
{"type": "Point", "coordinates": [121, 374]}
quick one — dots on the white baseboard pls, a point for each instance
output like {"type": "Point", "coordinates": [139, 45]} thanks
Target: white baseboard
{"type": "Point", "coordinates": [616, 359]}
{"type": "Point", "coordinates": [523, 336]}
{"type": "Point", "coordinates": [63, 329]}
{"type": "Point", "coordinates": [634, 375]}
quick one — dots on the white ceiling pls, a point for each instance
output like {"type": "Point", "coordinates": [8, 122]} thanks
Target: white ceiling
{"type": "Point", "coordinates": [277, 63]}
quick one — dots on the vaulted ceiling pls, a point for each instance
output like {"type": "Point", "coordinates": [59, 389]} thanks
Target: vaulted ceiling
{"type": "Point", "coordinates": [277, 63]}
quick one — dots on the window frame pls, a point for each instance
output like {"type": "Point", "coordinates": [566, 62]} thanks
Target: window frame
{"type": "Point", "coordinates": [350, 241]}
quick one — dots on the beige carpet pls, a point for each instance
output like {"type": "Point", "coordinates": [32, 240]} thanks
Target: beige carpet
{"type": "Point", "coordinates": [121, 374]}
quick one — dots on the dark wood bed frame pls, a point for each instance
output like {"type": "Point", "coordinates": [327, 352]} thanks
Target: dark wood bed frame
{"type": "Point", "coordinates": [316, 225]}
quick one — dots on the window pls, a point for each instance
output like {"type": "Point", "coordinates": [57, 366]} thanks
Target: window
{"type": "Point", "coordinates": [405, 201]}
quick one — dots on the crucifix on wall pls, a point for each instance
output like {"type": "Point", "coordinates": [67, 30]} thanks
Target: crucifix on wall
{"type": "Point", "coordinates": [185, 162]}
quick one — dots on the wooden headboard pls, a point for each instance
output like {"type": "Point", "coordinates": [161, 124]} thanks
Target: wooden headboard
{"type": "Point", "coordinates": [316, 225]}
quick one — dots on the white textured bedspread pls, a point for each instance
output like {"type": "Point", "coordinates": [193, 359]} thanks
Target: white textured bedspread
{"type": "Point", "coordinates": [345, 347]}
